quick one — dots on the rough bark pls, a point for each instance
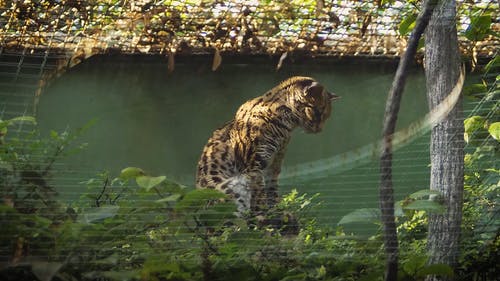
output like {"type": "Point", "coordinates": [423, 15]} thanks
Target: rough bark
{"type": "Point", "coordinates": [442, 68]}
{"type": "Point", "coordinates": [393, 102]}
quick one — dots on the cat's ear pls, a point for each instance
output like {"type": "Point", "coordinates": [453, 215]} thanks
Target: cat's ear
{"type": "Point", "coordinates": [333, 96]}
{"type": "Point", "coordinates": [314, 90]}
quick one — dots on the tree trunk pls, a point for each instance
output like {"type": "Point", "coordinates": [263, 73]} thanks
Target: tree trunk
{"type": "Point", "coordinates": [442, 68]}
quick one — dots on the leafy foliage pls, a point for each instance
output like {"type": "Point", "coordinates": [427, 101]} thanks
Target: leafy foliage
{"type": "Point", "coordinates": [481, 222]}
{"type": "Point", "coordinates": [31, 216]}
{"type": "Point", "coordinates": [272, 27]}
{"type": "Point", "coordinates": [141, 226]}
{"type": "Point", "coordinates": [480, 26]}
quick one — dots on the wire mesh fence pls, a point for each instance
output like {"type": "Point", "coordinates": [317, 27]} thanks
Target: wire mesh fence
{"type": "Point", "coordinates": [39, 37]}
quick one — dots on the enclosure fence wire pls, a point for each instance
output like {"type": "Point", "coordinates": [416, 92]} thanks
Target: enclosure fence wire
{"type": "Point", "coordinates": [22, 83]}
{"type": "Point", "coordinates": [32, 46]}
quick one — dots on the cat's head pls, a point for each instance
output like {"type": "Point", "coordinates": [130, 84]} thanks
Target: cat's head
{"type": "Point", "coordinates": [314, 104]}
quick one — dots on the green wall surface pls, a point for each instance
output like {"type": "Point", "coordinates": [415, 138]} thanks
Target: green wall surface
{"type": "Point", "coordinates": [160, 122]}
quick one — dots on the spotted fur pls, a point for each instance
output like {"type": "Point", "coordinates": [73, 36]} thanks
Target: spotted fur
{"type": "Point", "coordinates": [243, 158]}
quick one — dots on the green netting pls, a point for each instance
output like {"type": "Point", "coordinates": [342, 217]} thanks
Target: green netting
{"type": "Point", "coordinates": [38, 37]}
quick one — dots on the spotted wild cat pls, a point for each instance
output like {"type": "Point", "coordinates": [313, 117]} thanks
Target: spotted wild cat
{"type": "Point", "coordinates": [243, 158]}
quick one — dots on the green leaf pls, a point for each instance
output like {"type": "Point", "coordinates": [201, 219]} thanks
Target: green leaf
{"type": "Point", "coordinates": [211, 218]}
{"type": "Point", "coordinates": [407, 24]}
{"type": "Point", "coordinates": [170, 186]}
{"type": "Point", "coordinates": [131, 173]}
{"type": "Point", "coordinates": [425, 205]}
{"type": "Point", "coordinates": [421, 43]}
{"type": "Point", "coordinates": [20, 119]}
{"type": "Point", "coordinates": [156, 264]}
{"type": "Point", "coordinates": [471, 125]}
{"type": "Point", "coordinates": [494, 130]}
{"type": "Point", "coordinates": [241, 223]}
{"type": "Point", "coordinates": [383, 2]}
{"type": "Point", "coordinates": [122, 275]}
{"type": "Point", "coordinates": [42, 222]}
{"type": "Point", "coordinates": [297, 276]}
{"type": "Point", "coordinates": [226, 208]}
{"type": "Point", "coordinates": [198, 198]}
{"type": "Point", "coordinates": [6, 166]}
{"type": "Point", "coordinates": [492, 64]}
{"type": "Point", "coordinates": [414, 264]}
{"type": "Point", "coordinates": [98, 213]}
{"type": "Point", "coordinates": [371, 215]}
{"type": "Point", "coordinates": [475, 89]}
{"type": "Point", "coordinates": [171, 198]}
{"type": "Point", "coordinates": [436, 269]}
{"type": "Point", "coordinates": [424, 193]}
{"type": "Point", "coordinates": [398, 209]}
{"type": "Point", "coordinates": [111, 260]}
{"type": "Point", "coordinates": [478, 28]}
{"type": "Point", "coordinates": [45, 271]}
{"type": "Point", "coordinates": [148, 182]}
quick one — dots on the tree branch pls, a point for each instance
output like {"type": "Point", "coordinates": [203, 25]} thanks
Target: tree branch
{"type": "Point", "coordinates": [393, 103]}
{"type": "Point", "coordinates": [98, 199]}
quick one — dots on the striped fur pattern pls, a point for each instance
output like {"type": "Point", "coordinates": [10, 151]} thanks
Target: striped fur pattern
{"type": "Point", "coordinates": [243, 158]}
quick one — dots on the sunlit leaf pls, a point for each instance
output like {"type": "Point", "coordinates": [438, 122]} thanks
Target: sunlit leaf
{"type": "Point", "coordinates": [20, 119]}
{"type": "Point", "coordinates": [148, 182]}
{"type": "Point", "coordinates": [407, 24]}
{"type": "Point", "coordinates": [131, 173]}
{"type": "Point", "coordinates": [471, 125]}
{"type": "Point", "coordinates": [494, 130]}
